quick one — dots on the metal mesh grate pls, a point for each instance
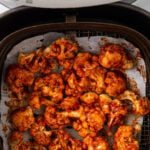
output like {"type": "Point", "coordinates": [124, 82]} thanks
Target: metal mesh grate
{"type": "Point", "coordinates": [95, 33]}
{"type": "Point", "coordinates": [145, 135]}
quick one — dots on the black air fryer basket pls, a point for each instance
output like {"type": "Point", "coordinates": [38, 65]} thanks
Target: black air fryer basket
{"type": "Point", "coordinates": [82, 29]}
{"type": "Point", "coordinates": [88, 29]}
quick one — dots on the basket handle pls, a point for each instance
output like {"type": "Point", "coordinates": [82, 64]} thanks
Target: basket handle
{"type": "Point", "coordinates": [71, 19]}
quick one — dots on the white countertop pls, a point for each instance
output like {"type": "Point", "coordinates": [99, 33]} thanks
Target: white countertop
{"type": "Point", "coordinates": [3, 8]}
{"type": "Point", "coordinates": [145, 4]}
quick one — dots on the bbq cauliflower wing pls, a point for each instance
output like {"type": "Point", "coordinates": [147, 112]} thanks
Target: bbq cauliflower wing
{"type": "Point", "coordinates": [55, 119]}
{"type": "Point", "coordinates": [140, 106]}
{"type": "Point", "coordinates": [22, 119]}
{"type": "Point", "coordinates": [19, 80]}
{"type": "Point", "coordinates": [95, 143]}
{"type": "Point", "coordinates": [40, 134]}
{"type": "Point", "coordinates": [124, 139]}
{"type": "Point", "coordinates": [97, 80]}
{"type": "Point", "coordinates": [69, 102]}
{"type": "Point", "coordinates": [115, 56]}
{"type": "Point", "coordinates": [89, 98]}
{"type": "Point", "coordinates": [89, 120]}
{"type": "Point", "coordinates": [61, 49]}
{"type": "Point", "coordinates": [15, 140]}
{"type": "Point", "coordinates": [36, 62]}
{"type": "Point", "coordinates": [115, 83]}
{"type": "Point", "coordinates": [51, 85]}
{"type": "Point", "coordinates": [84, 63]}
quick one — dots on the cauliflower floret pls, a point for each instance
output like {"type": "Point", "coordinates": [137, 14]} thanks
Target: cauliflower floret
{"type": "Point", "coordinates": [19, 80]}
{"type": "Point", "coordinates": [51, 85]}
{"type": "Point", "coordinates": [89, 120]}
{"type": "Point", "coordinates": [105, 102]}
{"type": "Point", "coordinates": [97, 80]}
{"type": "Point", "coordinates": [67, 63]}
{"type": "Point", "coordinates": [36, 62]}
{"type": "Point", "coordinates": [29, 146]}
{"type": "Point", "coordinates": [124, 139]}
{"type": "Point", "coordinates": [115, 110]}
{"type": "Point", "coordinates": [22, 119]}
{"type": "Point", "coordinates": [114, 56]}
{"type": "Point", "coordinates": [36, 100]}
{"type": "Point", "coordinates": [84, 63]}
{"type": "Point", "coordinates": [15, 140]}
{"type": "Point", "coordinates": [69, 102]}
{"type": "Point", "coordinates": [66, 73]}
{"type": "Point", "coordinates": [55, 119]}
{"type": "Point", "coordinates": [115, 83]}
{"type": "Point", "coordinates": [140, 106]}
{"type": "Point", "coordinates": [89, 98]}
{"type": "Point", "coordinates": [61, 49]}
{"type": "Point", "coordinates": [76, 86]}
{"type": "Point", "coordinates": [95, 143]}
{"type": "Point", "coordinates": [63, 140]}
{"type": "Point", "coordinates": [40, 134]}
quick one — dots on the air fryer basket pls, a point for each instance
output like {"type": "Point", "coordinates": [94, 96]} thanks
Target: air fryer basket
{"type": "Point", "coordinates": [89, 29]}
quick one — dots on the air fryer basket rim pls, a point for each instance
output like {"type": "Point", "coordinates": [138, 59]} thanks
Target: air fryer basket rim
{"type": "Point", "coordinates": [130, 34]}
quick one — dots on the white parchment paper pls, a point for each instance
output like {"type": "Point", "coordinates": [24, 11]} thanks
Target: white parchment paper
{"type": "Point", "coordinates": [91, 44]}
